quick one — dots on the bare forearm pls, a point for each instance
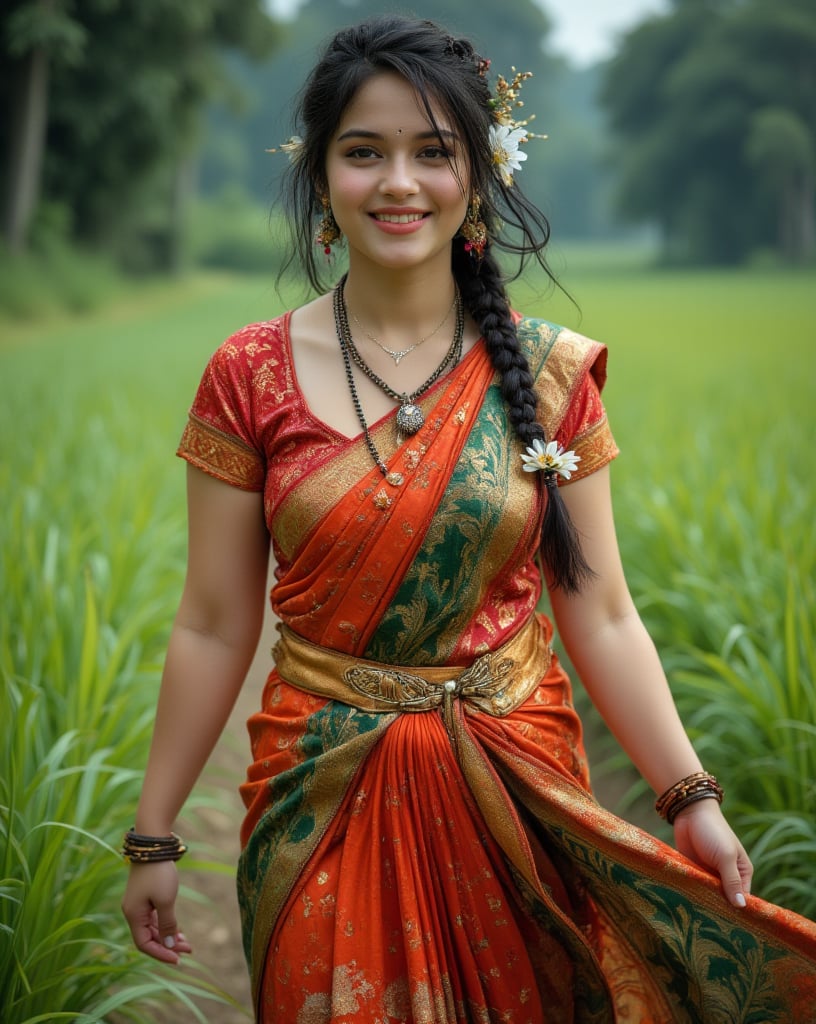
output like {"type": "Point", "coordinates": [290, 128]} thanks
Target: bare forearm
{"type": "Point", "coordinates": [621, 671]}
{"type": "Point", "coordinates": [201, 681]}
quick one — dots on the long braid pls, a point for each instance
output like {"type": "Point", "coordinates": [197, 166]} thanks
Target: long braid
{"type": "Point", "coordinates": [486, 300]}
{"type": "Point", "coordinates": [449, 77]}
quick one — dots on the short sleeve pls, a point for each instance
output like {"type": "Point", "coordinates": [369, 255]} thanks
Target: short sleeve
{"type": "Point", "coordinates": [219, 437]}
{"type": "Point", "coordinates": [585, 429]}
{"type": "Point", "coordinates": [570, 373]}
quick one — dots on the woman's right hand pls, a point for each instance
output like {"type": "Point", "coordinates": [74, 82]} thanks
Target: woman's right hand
{"type": "Point", "coordinates": [149, 906]}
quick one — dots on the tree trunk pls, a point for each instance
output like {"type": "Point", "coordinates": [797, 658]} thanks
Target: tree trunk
{"type": "Point", "coordinates": [26, 148]}
{"type": "Point", "coordinates": [184, 187]}
{"type": "Point", "coordinates": [806, 217]}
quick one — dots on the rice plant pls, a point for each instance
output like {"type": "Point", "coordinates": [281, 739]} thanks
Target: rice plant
{"type": "Point", "coordinates": [729, 597]}
{"type": "Point", "coordinates": [90, 569]}
{"type": "Point", "coordinates": [714, 495]}
{"type": "Point", "coordinates": [710, 398]}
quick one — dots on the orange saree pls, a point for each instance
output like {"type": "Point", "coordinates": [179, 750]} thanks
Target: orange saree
{"type": "Point", "coordinates": [421, 843]}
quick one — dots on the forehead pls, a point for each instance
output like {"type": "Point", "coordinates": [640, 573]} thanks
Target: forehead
{"type": "Point", "coordinates": [388, 101]}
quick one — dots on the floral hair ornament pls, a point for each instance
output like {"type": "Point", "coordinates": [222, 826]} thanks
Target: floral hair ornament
{"type": "Point", "coordinates": [293, 147]}
{"type": "Point", "coordinates": [507, 134]}
{"type": "Point", "coordinates": [551, 459]}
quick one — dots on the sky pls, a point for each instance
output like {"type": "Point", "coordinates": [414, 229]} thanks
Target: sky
{"type": "Point", "coordinates": [584, 30]}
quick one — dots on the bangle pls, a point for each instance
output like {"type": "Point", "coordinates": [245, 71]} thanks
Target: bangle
{"type": "Point", "coordinates": [699, 786]}
{"type": "Point", "coordinates": [139, 849]}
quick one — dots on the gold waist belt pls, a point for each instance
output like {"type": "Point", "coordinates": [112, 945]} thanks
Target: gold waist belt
{"type": "Point", "coordinates": [497, 682]}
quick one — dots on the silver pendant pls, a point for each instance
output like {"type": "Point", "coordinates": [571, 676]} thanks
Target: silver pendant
{"type": "Point", "coordinates": [409, 418]}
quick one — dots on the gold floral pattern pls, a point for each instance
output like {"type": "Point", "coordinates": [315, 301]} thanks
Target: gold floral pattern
{"type": "Point", "coordinates": [495, 887]}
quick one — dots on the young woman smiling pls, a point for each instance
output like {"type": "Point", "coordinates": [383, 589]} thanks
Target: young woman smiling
{"type": "Point", "coordinates": [421, 843]}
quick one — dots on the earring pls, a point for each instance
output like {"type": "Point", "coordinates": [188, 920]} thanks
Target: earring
{"type": "Point", "coordinates": [473, 228]}
{"type": "Point", "coordinates": [328, 231]}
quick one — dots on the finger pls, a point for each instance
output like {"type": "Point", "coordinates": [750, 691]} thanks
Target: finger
{"type": "Point", "coordinates": [156, 948]}
{"type": "Point", "coordinates": [167, 925]}
{"type": "Point", "coordinates": [746, 870]}
{"type": "Point", "coordinates": [146, 939]}
{"type": "Point", "coordinates": [732, 882]}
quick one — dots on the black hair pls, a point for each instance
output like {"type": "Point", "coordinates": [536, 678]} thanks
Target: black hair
{"type": "Point", "coordinates": [448, 73]}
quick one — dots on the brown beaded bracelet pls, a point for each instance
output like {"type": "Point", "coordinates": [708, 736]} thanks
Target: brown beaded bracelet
{"type": "Point", "coordinates": [141, 849]}
{"type": "Point", "coordinates": [698, 786]}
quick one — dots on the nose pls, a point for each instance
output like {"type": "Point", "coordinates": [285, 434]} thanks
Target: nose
{"type": "Point", "coordinates": [398, 179]}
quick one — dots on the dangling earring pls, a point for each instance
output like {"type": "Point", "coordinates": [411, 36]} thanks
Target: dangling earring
{"type": "Point", "coordinates": [328, 231]}
{"type": "Point", "coordinates": [473, 228]}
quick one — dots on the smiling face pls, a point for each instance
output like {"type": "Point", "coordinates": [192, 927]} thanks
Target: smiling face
{"type": "Point", "coordinates": [397, 185]}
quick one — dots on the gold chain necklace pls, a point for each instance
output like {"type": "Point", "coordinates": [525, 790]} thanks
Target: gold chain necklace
{"type": "Point", "coordinates": [410, 414]}
{"type": "Point", "coordinates": [397, 354]}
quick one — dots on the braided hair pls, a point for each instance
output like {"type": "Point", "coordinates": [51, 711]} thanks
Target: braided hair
{"type": "Point", "coordinates": [446, 72]}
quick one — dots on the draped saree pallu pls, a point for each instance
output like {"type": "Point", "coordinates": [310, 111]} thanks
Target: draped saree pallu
{"type": "Point", "coordinates": [421, 844]}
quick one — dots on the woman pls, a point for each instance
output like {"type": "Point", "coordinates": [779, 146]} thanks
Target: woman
{"type": "Point", "coordinates": [420, 842]}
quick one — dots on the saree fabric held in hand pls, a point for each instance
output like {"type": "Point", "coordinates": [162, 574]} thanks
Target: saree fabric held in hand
{"type": "Point", "coordinates": [421, 843]}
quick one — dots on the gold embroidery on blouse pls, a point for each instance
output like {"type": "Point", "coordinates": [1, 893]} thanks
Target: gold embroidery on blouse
{"type": "Point", "coordinates": [221, 455]}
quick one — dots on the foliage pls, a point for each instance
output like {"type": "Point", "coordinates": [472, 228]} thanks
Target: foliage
{"type": "Point", "coordinates": [713, 495]}
{"type": "Point", "coordinates": [233, 232]}
{"type": "Point", "coordinates": [713, 491]}
{"type": "Point", "coordinates": [63, 278]}
{"type": "Point", "coordinates": [125, 83]}
{"type": "Point", "coordinates": [565, 175]}
{"type": "Point", "coordinates": [90, 565]}
{"type": "Point", "coordinates": [690, 94]}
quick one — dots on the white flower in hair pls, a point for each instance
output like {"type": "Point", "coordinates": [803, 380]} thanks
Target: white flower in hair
{"type": "Point", "coordinates": [504, 141]}
{"type": "Point", "coordinates": [293, 147]}
{"type": "Point", "coordinates": [550, 458]}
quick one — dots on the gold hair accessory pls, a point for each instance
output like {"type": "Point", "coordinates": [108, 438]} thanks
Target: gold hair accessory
{"type": "Point", "coordinates": [507, 134]}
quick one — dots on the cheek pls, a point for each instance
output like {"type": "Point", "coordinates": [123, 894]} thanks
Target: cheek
{"type": "Point", "coordinates": [345, 187]}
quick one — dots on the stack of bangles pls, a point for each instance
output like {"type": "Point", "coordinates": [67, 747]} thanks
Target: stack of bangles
{"type": "Point", "coordinates": [139, 849]}
{"type": "Point", "coordinates": [699, 786]}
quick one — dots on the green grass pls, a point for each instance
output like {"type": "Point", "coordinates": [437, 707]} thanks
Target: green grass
{"type": "Point", "coordinates": [710, 397]}
{"type": "Point", "coordinates": [91, 561]}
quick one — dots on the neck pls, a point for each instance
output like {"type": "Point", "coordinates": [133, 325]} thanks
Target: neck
{"type": "Point", "coordinates": [390, 302]}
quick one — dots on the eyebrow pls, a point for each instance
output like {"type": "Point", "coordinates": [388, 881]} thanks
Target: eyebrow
{"type": "Point", "coordinates": [362, 133]}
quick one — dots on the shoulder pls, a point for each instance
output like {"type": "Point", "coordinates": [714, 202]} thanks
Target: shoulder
{"type": "Point", "coordinates": [559, 356]}
{"type": "Point", "coordinates": [253, 344]}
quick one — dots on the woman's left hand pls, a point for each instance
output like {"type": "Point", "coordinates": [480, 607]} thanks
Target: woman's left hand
{"type": "Point", "coordinates": [702, 834]}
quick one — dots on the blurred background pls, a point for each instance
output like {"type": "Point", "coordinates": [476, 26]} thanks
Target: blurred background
{"type": "Point", "coordinates": [136, 133]}
{"type": "Point", "coordinates": [140, 225]}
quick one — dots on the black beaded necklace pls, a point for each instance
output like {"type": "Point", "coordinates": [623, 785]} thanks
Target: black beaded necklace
{"type": "Point", "coordinates": [409, 415]}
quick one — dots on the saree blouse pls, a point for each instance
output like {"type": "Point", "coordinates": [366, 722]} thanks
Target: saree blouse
{"type": "Point", "coordinates": [473, 578]}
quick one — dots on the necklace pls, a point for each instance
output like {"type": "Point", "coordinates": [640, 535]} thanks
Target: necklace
{"type": "Point", "coordinates": [412, 413]}
{"type": "Point", "coordinates": [409, 415]}
{"type": "Point", "coordinates": [398, 354]}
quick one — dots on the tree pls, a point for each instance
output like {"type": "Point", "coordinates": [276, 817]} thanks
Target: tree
{"type": "Point", "coordinates": [782, 150]}
{"type": "Point", "coordinates": [34, 32]}
{"type": "Point", "coordinates": [684, 93]}
{"type": "Point", "coordinates": [120, 84]}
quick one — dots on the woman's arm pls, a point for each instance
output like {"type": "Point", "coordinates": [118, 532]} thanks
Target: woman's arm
{"type": "Point", "coordinates": [616, 660]}
{"type": "Point", "coordinates": [211, 646]}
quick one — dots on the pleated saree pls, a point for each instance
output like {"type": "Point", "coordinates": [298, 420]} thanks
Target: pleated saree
{"type": "Point", "coordinates": [421, 843]}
